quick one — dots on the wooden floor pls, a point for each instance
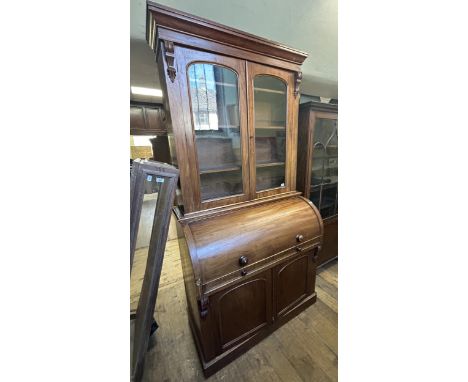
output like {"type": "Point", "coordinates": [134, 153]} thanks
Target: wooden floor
{"type": "Point", "coordinates": [304, 349]}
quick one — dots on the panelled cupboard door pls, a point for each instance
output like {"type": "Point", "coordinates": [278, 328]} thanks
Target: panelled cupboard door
{"type": "Point", "coordinates": [272, 129]}
{"type": "Point", "coordinates": [241, 311]}
{"type": "Point", "coordinates": [216, 137]}
{"type": "Point", "coordinates": [293, 282]}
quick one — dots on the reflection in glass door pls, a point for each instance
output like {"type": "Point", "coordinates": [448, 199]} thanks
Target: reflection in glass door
{"type": "Point", "coordinates": [270, 101]}
{"type": "Point", "coordinates": [215, 112]}
{"type": "Point", "coordinates": [324, 181]}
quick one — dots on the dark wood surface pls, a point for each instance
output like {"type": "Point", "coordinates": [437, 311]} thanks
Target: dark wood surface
{"type": "Point", "coordinates": [330, 241]}
{"type": "Point", "coordinates": [147, 119]}
{"type": "Point", "coordinates": [172, 19]}
{"type": "Point", "coordinates": [248, 260]}
{"type": "Point", "coordinates": [179, 40]}
{"type": "Point", "coordinates": [308, 113]}
{"type": "Point", "coordinates": [247, 271]}
{"type": "Point", "coordinates": [303, 349]}
{"type": "Point", "coordinates": [160, 146]}
{"type": "Point", "coordinates": [256, 232]}
{"type": "Point", "coordinates": [149, 290]}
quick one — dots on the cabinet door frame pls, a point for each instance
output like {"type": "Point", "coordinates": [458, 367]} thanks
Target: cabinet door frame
{"type": "Point", "coordinates": [314, 115]}
{"type": "Point", "coordinates": [292, 105]}
{"type": "Point", "coordinates": [310, 284]}
{"type": "Point", "coordinates": [215, 301]}
{"type": "Point", "coordinates": [185, 57]}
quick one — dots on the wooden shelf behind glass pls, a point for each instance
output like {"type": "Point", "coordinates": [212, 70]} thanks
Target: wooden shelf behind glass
{"type": "Point", "coordinates": [270, 164]}
{"type": "Point", "coordinates": [219, 169]}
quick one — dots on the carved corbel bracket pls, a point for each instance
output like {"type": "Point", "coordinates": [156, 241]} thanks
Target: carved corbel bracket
{"type": "Point", "coordinates": [297, 83]}
{"type": "Point", "coordinates": [170, 58]}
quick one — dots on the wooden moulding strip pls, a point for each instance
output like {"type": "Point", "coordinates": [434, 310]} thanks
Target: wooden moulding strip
{"type": "Point", "coordinates": [219, 283]}
{"type": "Point", "coordinates": [173, 19]}
{"type": "Point", "coordinates": [216, 211]}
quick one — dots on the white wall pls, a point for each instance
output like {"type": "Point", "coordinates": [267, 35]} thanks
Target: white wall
{"type": "Point", "coordinates": [308, 25]}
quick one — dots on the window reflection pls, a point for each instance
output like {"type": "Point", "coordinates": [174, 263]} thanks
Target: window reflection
{"type": "Point", "coordinates": [213, 91]}
{"type": "Point", "coordinates": [215, 111]}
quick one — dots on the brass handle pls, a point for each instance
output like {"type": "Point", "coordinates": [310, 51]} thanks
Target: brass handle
{"type": "Point", "coordinates": [300, 238]}
{"type": "Point", "coordinates": [243, 260]}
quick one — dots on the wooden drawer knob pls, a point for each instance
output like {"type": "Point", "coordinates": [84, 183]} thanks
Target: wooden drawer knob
{"type": "Point", "coordinates": [300, 238]}
{"type": "Point", "coordinates": [243, 260]}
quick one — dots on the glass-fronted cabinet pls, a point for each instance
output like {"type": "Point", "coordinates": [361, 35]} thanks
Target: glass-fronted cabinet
{"type": "Point", "coordinates": [214, 100]}
{"type": "Point", "coordinates": [317, 167]}
{"type": "Point", "coordinates": [233, 129]}
{"type": "Point", "coordinates": [271, 125]}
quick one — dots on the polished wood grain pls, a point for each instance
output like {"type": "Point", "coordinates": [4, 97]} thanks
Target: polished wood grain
{"type": "Point", "coordinates": [245, 267]}
{"type": "Point", "coordinates": [220, 242]}
{"type": "Point", "coordinates": [180, 39]}
{"type": "Point", "coordinates": [249, 259]}
{"type": "Point", "coordinates": [249, 300]}
{"type": "Point", "coordinates": [303, 349]}
{"type": "Point", "coordinates": [172, 19]}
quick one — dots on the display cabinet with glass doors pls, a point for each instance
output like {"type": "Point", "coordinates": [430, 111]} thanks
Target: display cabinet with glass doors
{"type": "Point", "coordinates": [317, 168]}
{"type": "Point", "coordinates": [231, 113]}
{"type": "Point", "coordinates": [248, 241]}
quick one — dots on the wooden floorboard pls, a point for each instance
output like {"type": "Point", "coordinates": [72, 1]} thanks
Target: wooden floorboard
{"type": "Point", "coordinates": [304, 349]}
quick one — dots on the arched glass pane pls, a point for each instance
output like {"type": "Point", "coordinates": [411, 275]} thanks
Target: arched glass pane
{"type": "Point", "coordinates": [270, 131]}
{"type": "Point", "coordinates": [215, 113]}
{"type": "Point", "coordinates": [324, 182]}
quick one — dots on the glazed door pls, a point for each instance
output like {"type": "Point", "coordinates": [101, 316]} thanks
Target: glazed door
{"type": "Point", "coordinates": [241, 311]}
{"type": "Point", "coordinates": [324, 164]}
{"type": "Point", "coordinates": [294, 281]}
{"type": "Point", "coordinates": [215, 127]}
{"type": "Point", "coordinates": [272, 129]}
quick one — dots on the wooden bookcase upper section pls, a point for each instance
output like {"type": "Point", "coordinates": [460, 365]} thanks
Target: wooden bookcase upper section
{"type": "Point", "coordinates": [168, 24]}
{"type": "Point", "coordinates": [254, 86]}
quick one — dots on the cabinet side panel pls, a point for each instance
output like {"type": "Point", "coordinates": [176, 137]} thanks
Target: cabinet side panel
{"type": "Point", "coordinates": [330, 241]}
{"type": "Point", "coordinates": [302, 151]}
{"type": "Point", "coordinates": [176, 128]}
{"type": "Point", "coordinates": [189, 279]}
{"type": "Point", "coordinates": [166, 117]}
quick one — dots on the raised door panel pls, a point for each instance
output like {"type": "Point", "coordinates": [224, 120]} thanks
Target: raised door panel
{"type": "Point", "coordinates": [272, 129]}
{"type": "Point", "coordinates": [137, 119]}
{"type": "Point", "coordinates": [154, 120]}
{"type": "Point", "coordinates": [241, 311]}
{"type": "Point", "coordinates": [294, 281]}
{"type": "Point", "coordinates": [214, 104]}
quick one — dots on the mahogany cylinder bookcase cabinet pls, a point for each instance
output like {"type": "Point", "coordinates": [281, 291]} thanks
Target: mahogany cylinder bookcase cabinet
{"type": "Point", "coordinates": [248, 241]}
{"type": "Point", "coordinates": [317, 168]}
